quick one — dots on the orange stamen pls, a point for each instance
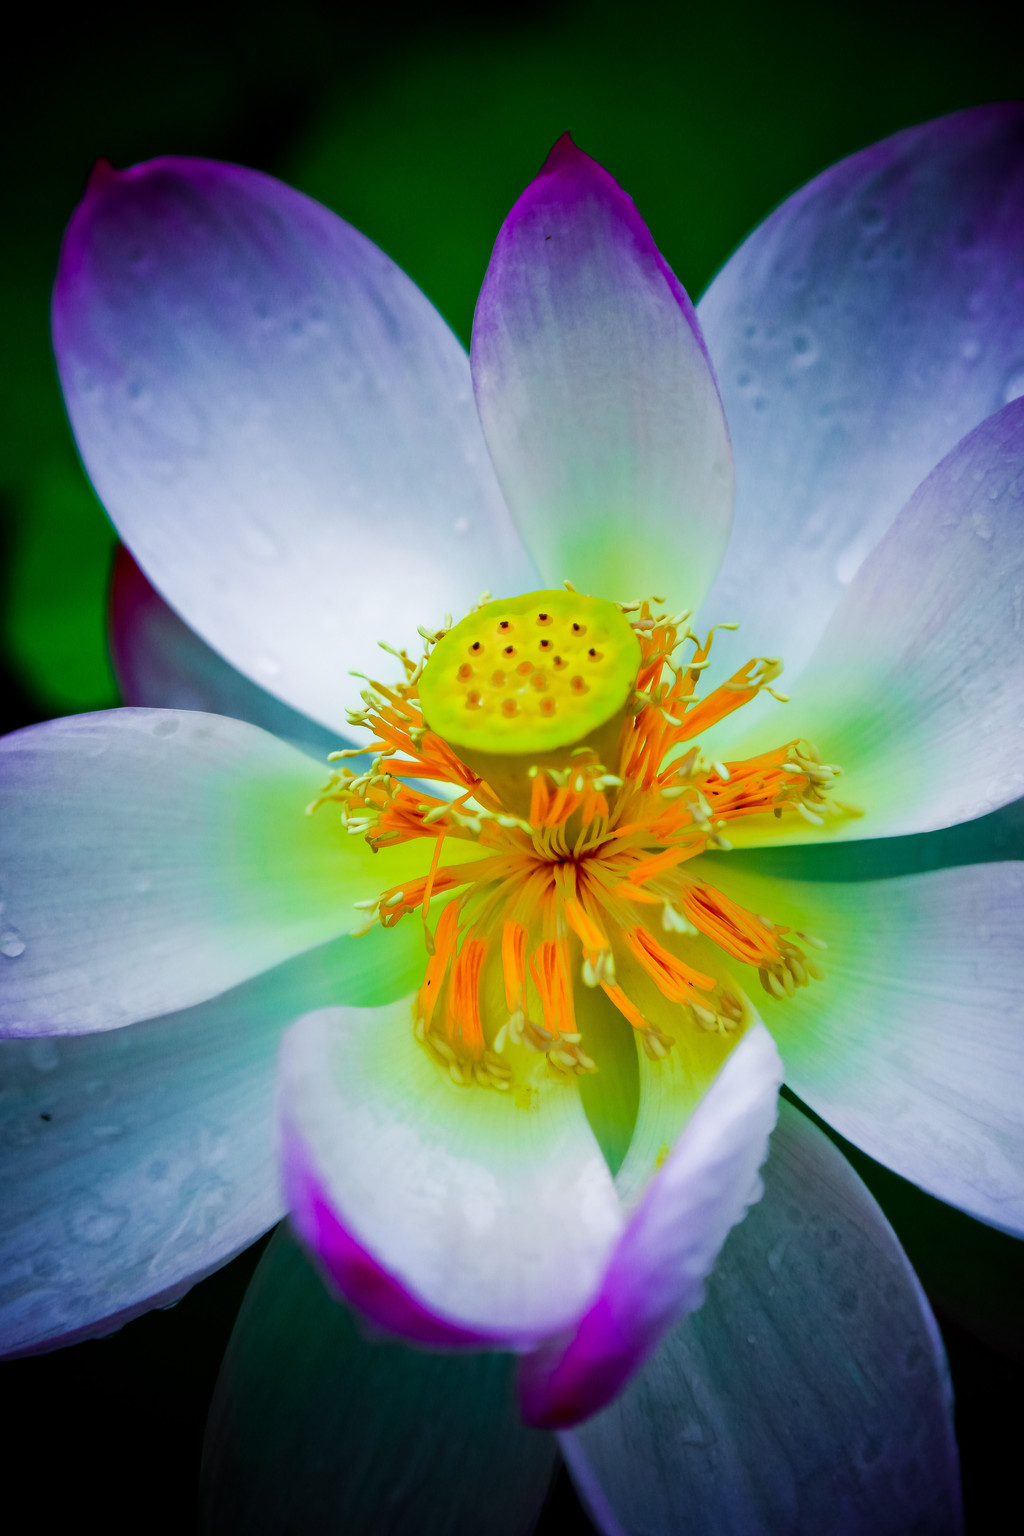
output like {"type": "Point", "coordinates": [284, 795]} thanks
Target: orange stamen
{"type": "Point", "coordinates": [729, 925]}
{"type": "Point", "coordinates": [549, 968]}
{"type": "Point", "coordinates": [513, 963]}
{"type": "Point", "coordinates": [677, 981]}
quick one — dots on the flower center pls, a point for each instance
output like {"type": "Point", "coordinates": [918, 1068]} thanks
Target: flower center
{"type": "Point", "coordinates": [564, 729]}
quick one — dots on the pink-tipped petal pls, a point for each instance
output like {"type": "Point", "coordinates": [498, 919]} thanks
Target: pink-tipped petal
{"type": "Point", "coordinates": [280, 425]}
{"type": "Point", "coordinates": [467, 1212]}
{"type": "Point", "coordinates": [657, 1271]}
{"type": "Point", "coordinates": [596, 396]}
{"type": "Point", "coordinates": [351, 1269]}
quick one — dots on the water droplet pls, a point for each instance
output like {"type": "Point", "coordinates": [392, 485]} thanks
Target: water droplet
{"type": "Point", "coordinates": [11, 943]}
{"type": "Point", "coordinates": [981, 525]}
{"type": "Point", "coordinates": [847, 1300]}
{"type": "Point", "coordinates": [805, 348]}
{"type": "Point", "coordinates": [850, 560]}
{"type": "Point", "coordinates": [692, 1433]}
{"type": "Point", "coordinates": [44, 1055]}
{"type": "Point", "coordinates": [317, 323]}
{"type": "Point", "coordinates": [872, 219]}
{"type": "Point", "coordinates": [96, 1224]}
{"type": "Point", "coordinates": [165, 725]}
{"type": "Point", "coordinates": [1014, 386]}
{"type": "Point", "coordinates": [777, 1254]}
{"type": "Point", "coordinates": [259, 542]}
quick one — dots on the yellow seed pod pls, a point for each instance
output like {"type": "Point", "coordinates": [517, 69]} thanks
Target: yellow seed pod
{"type": "Point", "coordinates": [530, 675]}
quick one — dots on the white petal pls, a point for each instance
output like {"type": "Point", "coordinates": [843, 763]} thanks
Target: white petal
{"type": "Point", "coordinates": [151, 859]}
{"type": "Point", "coordinates": [490, 1215]}
{"type": "Point", "coordinates": [595, 392]}
{"type": "Point", "coordinates": [858, 334]}
{"type": "Point", "coordinates": [913, 1045]}
{"type": "Point", "coordinates": [160, 663]}
{"type": "Point", "coordinates": [280, 425]}
{"type": "Point", "coordinates": [138, 1160]}
{"type": "Point", "coordinates": [916, 688]}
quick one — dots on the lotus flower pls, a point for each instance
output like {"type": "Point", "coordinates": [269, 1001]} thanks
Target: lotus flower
{"type": "Point", "coordinates": [535, 957]}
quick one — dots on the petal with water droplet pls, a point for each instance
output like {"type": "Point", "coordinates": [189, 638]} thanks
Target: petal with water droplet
{"type": "Point", "coordinates": [913, 1044]}
{"type": "Point", "coordinates": [153, 858]}
{"type": "Point", "coordinates": [809, 1393]}
{"type": "Point", "coordinates": [916, 688]}
{"type": "Point", "coordinates": [161, 663]}
{"type": "Point", "coordinates": [596, 395]}
{"type": "Point", "coordinates": [278, 422]}
{"type": "Point", "coordinates": [138, 1160]}
{"type": "Point", "coordinates": [376, 1433]}
{"type": "Point", "coordinates": [904, 263]}
{"type": "Point", "coordinates": [448, 1214]}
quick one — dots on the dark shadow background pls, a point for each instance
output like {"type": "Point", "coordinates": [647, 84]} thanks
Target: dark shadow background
{"type": "Point", "coordinates": [421, 123]}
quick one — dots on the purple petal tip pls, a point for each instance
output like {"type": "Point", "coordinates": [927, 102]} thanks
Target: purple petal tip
{"type": "Point", "coordinates": [101, 173]}
{"type": "Point", "coordinates": [354, 1273]}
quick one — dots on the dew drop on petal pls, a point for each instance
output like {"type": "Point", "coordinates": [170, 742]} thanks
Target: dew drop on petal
{"type": "Point", "coordinates": [11, 943]}
{"type": "Point", "coordinates": [95, 1224]}
{"type": "Point", "coordinates": [1014, 386]}
{"type": "Point", "coordinates": [258, 542]}
{"type": "Point", "coordinates": [44, 1055]}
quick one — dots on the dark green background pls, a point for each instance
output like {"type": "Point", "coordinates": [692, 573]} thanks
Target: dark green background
{"type": "Point", "coordinates": [420, 123]}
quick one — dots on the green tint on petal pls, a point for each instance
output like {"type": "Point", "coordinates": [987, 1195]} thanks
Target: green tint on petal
{"type": "Point", "coordinates": [912, 1045]}
{"type": "Point", "coordinates": [314, 1429]}
{"type": "Point", "coordinates": [154, 858]}
{"type": "Point", "coordinates": [915, 688]}
{"type": "Point", "coordinates": [611, 1095]}
{"type": "Point", "coordinates": [595, 392]}
{"type": "Point", "coordinates": [670, 1089]}
{"type": "Point", "coordinates": [495, 1211]}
